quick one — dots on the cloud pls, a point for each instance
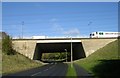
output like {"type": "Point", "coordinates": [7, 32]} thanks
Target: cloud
{"type": "Point", "coordinates": [72, 32]}
{"type": "Point", "coordinates": [53, 20]}
{"type": "Point", "coordinates": [56, 27]}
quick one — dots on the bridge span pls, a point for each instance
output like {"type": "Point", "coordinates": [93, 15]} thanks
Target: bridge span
{"type": "Point", "coordinates": [82, 47]}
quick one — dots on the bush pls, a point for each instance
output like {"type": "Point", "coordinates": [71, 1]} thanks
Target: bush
{"type": "Point", "coordinates": [7, 47]}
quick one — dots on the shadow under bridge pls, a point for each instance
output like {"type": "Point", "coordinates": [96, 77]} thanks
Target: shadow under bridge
{"type": "Point", "coordinates": [60, 51]}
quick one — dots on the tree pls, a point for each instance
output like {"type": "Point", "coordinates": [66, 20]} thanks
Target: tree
{"type": "Point", "coordinates": [7, 46]}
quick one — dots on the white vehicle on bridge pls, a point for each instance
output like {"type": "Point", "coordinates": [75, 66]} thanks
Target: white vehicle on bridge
{"type": "Point", "coordinates": [104, 34]}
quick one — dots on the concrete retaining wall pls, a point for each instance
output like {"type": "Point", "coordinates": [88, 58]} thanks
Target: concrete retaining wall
{"type": "Point", "coordinates": [25, 47]}
{"type": "Point", "coordinates": [91, 45]}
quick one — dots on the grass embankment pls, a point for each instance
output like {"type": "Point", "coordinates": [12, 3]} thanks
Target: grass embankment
{"type": "Point", "coordinates": [16, 63]}
{"type": "Point", "coordinates": [103, 62]}
{"type": "Point", "coordinates": [71, 71]}
{"type": "Point", "coordinates": [0, 62]}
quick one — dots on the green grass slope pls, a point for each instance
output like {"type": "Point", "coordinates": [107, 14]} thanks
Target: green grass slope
{"type": "Point", "coordinates": [16, 63]}
{"type": "Point", "coordinates": [71, 71]}
{"type": "Point", "coordinates": [104, 62]}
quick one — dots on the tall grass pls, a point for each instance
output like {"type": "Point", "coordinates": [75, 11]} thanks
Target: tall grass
{"type": "Point", "coordinates": [102, 60]}
{"type": "Point", "coordinates": [16, 63]}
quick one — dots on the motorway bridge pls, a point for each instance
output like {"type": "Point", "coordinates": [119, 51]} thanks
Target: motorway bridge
{"type": "Point", "coordinates": [81, 47]}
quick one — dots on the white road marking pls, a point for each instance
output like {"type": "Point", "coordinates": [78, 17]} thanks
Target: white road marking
{"type": "Point", "coordinates": [43, 70]}
{"type": "Point", "coordinates": [36, 73]}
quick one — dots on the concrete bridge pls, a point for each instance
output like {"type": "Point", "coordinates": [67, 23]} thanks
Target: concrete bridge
{"type": "Point", "coordinates": [82, 47]}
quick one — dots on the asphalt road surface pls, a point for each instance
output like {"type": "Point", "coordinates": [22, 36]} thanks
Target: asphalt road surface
{"type": "Point", "coordinates": [53, 70]}
{"type": "Point", "coordinates": [81, 72]}
{"type": "Point", "coordinates": [46, 71]}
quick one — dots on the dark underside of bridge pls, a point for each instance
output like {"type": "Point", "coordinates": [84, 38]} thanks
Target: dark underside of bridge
{"type": "Point", "coordinates": [77, 53]}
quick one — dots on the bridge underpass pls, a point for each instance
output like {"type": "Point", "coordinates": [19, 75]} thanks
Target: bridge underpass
{"type": "Point", "coordinates": [78, 51]}
{"type": "Point", "coordinates": [31, 47]}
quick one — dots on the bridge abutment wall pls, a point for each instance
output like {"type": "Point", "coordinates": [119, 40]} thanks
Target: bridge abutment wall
{"type": "Point", "coordinates": [25, 47]}
{"type": "Point", "coordinates": [92, 45]}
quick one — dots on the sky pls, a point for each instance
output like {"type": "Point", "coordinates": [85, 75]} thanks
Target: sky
{"type": "Point", "coordinates": [52, 19]}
